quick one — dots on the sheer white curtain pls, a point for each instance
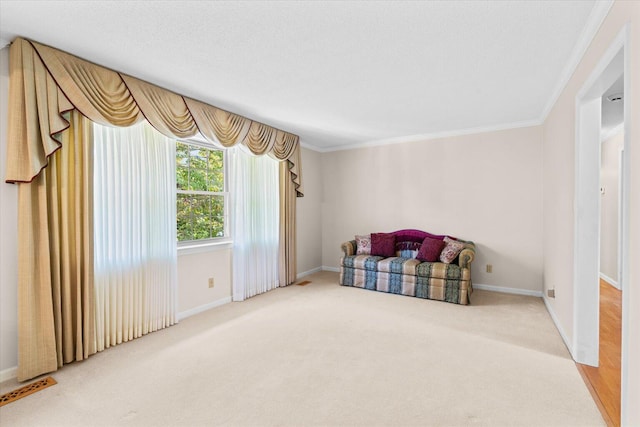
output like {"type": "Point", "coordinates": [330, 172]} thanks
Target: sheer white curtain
{"type": "Point", "coordinates": [135, 232]}
{"type": "Point", "coordinates": [253, 186]}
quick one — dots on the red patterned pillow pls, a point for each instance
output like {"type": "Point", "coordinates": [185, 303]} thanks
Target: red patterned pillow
{"type": "Point", "coordinates": [451, 250]}
{"type": "Point", "coordinates": [430, 249]}
{"type": "Point", "coordinates": [363, 245]}
{"type": "Point", "coordinates": [383, 244]}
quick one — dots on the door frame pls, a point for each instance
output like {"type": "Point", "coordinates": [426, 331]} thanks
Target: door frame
{"type": "Point", "coordinates": [586, 302]}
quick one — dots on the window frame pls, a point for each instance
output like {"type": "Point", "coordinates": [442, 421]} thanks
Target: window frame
{"type": "Point", "coordinates": [194, 245]}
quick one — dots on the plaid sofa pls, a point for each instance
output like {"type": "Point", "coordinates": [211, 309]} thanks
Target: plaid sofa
{"type": "Point", "coordinates": [405, 275]}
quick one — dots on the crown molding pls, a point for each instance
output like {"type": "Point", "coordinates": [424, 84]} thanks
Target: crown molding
{"type": "Point", "coordinates": [311, 147]}
{"type": "Point", "coordinates": [423, 137]}
{"type": "Point", "coordinates": [596, 17]}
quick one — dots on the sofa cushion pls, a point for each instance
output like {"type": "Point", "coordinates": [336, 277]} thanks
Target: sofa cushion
{"type": "Point", "coordinates": [430, 249]}
{"type": "Point", "coordinates": [438, 270]}
{"type": "Point", "coordinates": [383, 244]}
{"type": "Point", "coordinates": [398, 265]}
{"type": "Point", "coordinates": [395, 283]}
{"type": "Point", "coordinates": [363, 245]}
{"type": "Point", "coordinates": [362, 262]}
{"type": "Point", "coordinates": [451, 250]}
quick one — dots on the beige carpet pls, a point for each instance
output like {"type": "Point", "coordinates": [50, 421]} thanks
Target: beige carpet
{"type": "Point", "coordinates": [328, 355]}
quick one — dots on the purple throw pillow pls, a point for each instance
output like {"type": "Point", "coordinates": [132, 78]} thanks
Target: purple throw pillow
{"type": "Point", "coordinates": [383, 244]}
{"type": "Point", "coordinates": [430, 249]}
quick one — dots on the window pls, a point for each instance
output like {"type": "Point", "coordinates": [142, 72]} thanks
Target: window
{"type": "Point", "coordinates": [201, 192]}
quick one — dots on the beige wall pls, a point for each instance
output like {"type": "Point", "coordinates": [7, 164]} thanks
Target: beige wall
{"type": "Point", "coordinates": [559, 159]}
{"type": "Point", "coordinates": [308, 210]}
{"type": "Point", "coordinates": [609, 175]}
{"type": "Point", "coordinates": [8, 237]}
{"type": "Point", "coordinates": [194, 271]}
{"type": "Point", "coordinates": [483, 187]}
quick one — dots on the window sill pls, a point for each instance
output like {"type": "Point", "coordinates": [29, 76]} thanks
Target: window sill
{"type": "Point", "coordinates": [195, 248]}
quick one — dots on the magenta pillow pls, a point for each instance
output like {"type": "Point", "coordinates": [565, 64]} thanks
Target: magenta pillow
{"type": "Point", "coordinates": [430, 249]}
{"type": "Point", "coordinates": [383, 244]}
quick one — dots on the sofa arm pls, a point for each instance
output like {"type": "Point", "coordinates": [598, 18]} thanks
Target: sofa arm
{"type": "Point", "coordinates": [467, 255]}
{"type": "Point", "coordinates": [349, 248]}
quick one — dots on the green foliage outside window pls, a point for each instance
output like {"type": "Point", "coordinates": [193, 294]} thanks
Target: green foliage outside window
{"type": "Point", "coordinates": [200, 192]}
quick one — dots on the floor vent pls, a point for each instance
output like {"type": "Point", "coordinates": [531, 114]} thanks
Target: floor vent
{"type": "Point", "coordinates": [21, 392]}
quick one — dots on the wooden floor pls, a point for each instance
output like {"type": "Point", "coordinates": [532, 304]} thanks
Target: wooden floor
{"type": "Point", "coordinates": [604, 381]}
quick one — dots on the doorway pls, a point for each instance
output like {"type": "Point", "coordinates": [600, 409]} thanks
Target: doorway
{"type": "Point", "coordinates": [588, 192]}
{"type": "Point", "coordinates": [603, 381]}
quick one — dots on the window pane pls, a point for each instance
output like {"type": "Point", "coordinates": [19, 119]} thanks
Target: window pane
{"type": "Point", "coordinates": [216, 172]}
{"type": "Point", "coordinates": [197, 179]}
{"type": "Point", "coordinates": [182, 155]}
{"type": "Point", "coordinates": [183, 214]}
{"type": "Point", "coordinates": [200, 216]}
{"type": "Point", "coordinates": [182, 178]}
{"type": "Point", "coordinates": [199, 170]}
{"type": "Point", "coordinates": [198, 158]}
{"type": "Point", "coordinates": [216, 216]}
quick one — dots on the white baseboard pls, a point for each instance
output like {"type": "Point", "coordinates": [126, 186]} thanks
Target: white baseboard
{"type": "Point", "coordinates": [334, 269]}
{"type": "Point", "coordinates": [193, 311]}
{"type": "Point", "coordinates": [558, 326]}
{"type": "Point", "coordinates": [610, 280]}
{"type": "Point", "coordinates": [505, 290]}
{"type": "Point", "coordinates": [8, 374]}
{"type": "Point", "coordinates": [308, 272]}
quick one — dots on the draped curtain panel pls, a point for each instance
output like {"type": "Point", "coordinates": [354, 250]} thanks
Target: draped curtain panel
{"type": "Point", "coordinates": [49, 82]}
{"type": "Point", "coordinates": [135, 232]}
{"type": "Point", "coordinates": [56, 321]}
{"type": "Point", "coordinates": [287, 217]}
{"type": "Point", "coordinates": [254, 223]}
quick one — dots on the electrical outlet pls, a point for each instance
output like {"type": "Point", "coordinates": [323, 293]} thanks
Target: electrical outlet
{"type": "Point", "coordinates": [489, 268]}
{"type": "Point", "coordinates": [211, 282]}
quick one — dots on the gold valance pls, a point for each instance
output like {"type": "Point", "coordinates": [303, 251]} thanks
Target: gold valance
{"type": "Point", "coordinates": [46, 83]}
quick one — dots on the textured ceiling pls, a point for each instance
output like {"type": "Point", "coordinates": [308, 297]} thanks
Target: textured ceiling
{"type": "Point", "coordinates": [338, 74]}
